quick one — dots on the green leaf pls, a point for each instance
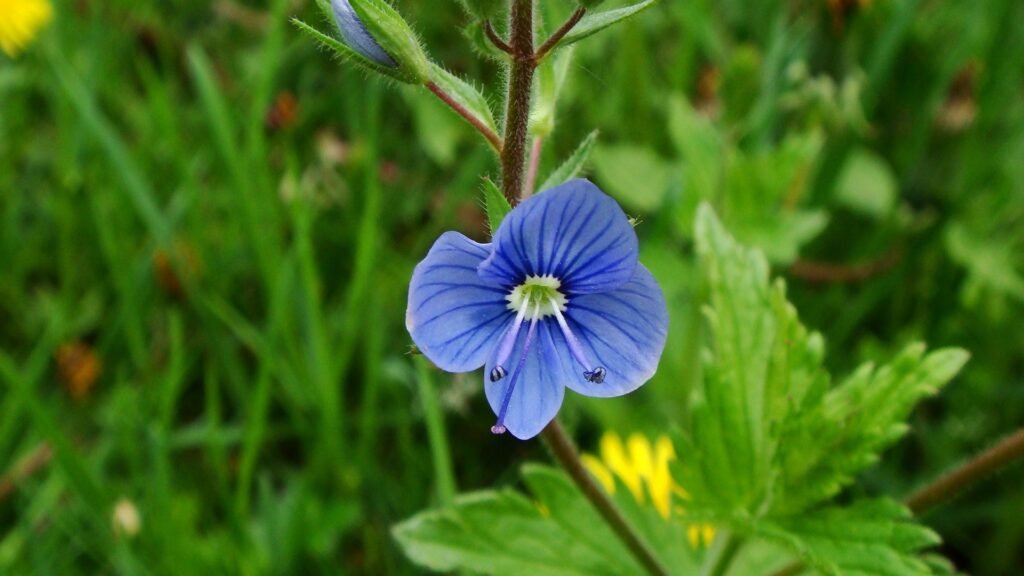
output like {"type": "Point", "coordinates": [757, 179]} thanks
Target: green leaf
{"type": "Point", "coordinates": [824, 445]}
{"type": "Point", "coordinates": [594, 22]}
{"type": "Point", "coordinates": [504, 532]}
{"type": "Point", "coordinates": [495, 204]}
{"type": "Point", "coordinates": [572, 167]}
{"type": "Point", "coordinates": [551, 75]}
{"type": "Point", "coordinates": [990, 261]}
{"type": "Point", "coordinates": [465, 94]}
{"type": "Point", "coordinates": [867, 185]}
{"type": "Point", "coordinates": [635, 175]}
{"type": "Point", "coordinates": [870, 537]}
{"type": "Point", "coordinates": [767, 435]}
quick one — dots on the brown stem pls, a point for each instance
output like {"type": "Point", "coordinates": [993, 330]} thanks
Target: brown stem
{"type": "Point", "coordinates": [533, 166]}
{"type": "Point", "coordinates": [824, 272]}
{"type": "Point", "coordinates": [461, 110]}
{"type": "Point", "coordinates": [520, 90]}
{"type": "Point", "coordinates": [977, 468]}
{"type": "Point", "coordinates": [555, 38]}
{"type": "Point", "coordinates": [1007, 450]}
{"type": "Point", "coordinates": [565, 452]}
{"type": "Point", "coordinates": [496, 39]}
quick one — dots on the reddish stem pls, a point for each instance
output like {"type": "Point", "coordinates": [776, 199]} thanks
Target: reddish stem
{"type": "Point", "coordinates": [461, 110]}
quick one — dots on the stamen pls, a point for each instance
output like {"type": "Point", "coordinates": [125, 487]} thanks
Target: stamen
{"type": "Point", "coordinates": [499, 426]}
{"type": "Point", "coordinates": [596, 374]}
{"type": "Point", "coordinates": [508, 341]}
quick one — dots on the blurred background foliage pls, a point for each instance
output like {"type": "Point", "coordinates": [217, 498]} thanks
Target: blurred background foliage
{"type": "Point", "coordinates": [206, 230]}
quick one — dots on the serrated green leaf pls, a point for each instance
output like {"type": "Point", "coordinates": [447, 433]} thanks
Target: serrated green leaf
{"type": "Point", "coordinates": [824, 445]}
{"type": "Point", "coordinates": [766, 434]}
{"type": "Point", "coordinates": [495, 204]}
{"type": "Point", "coordinates": [572, 167]}
{"type": "Point", "coordinates": [594, 22]}
{"type": "Point", "coordinates": [871, 537]}
{"type": "Point", "coordinates": [504, 532]}
{"type": "Point", "coordinates": [465, 94]}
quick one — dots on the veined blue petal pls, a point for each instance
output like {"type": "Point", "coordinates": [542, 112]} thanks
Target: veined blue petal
{"type": "Point", "coordinates": [356, 36]}
{"type": "Point", "coordinates": [622, 331]}
{"type": "Point", "coordinates": [575, 232]}
{"type": "Point", "coordinates": [538, 391]}
{"type": "Point", "coordinates": [455, 317]}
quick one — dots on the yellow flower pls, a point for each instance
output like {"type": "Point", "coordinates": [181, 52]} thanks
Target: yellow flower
{"type": "Point", "coordinates": [20, 21]}
{"type": "Point", "coordinates": [644, 469]}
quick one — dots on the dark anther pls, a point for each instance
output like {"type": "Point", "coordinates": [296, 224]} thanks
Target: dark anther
{"type": "Point", "coordinates": [497, 373]}
{"type": "Point", "coordinates": [596, 375]}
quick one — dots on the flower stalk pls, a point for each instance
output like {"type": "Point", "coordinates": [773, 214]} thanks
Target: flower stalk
{"type": "Point", "coordinates": [513, 161]}
{"type": "Point", "coordinates": [564, 451]}
{"type": "Point", "coordinates": [492, 138]}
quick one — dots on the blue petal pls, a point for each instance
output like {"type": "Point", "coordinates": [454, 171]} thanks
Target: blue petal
{"type": "Point", "coordinates": [356, 36]}
{"type": "Point", "coordinates": [455, 317]}
{"type": "Point", "coordinates": [622, 331]}
{"type": "Point", "coordinates": [539, 389]}
{"type": "Point", "coordinates": [574, 232]}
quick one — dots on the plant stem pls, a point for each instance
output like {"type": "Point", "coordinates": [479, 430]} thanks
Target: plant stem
{"type": "Point", "coordinates": [520, 89]}
{"type": "Point", "coordinates": [565, 452]}
{"type": "Point", "coordinates": [434, 416]}
{"type": "Point", "coordinates": [555, 38]}
{"type": "Point", "coordinates": [461, 110]}
{"type": "Point", "coordinates": [1007, 450]}
{"type": "Point", "coordinates": [496, 39]}
{"type": "Point", "coordinates": [534, 165]}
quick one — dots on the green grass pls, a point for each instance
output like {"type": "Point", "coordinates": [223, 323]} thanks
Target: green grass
{"type": "Point", "coordinates": [268, 419]}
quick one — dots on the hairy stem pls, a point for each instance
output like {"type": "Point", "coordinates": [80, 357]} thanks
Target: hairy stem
{"type": "Point", "coordinates": [555, 38]}
{"type": "Point", "coordinates": [461, 110]}
{"type": "Point", "coordinates": [566, 454]}
{"type": "Point", "coordinates": [520, 89]}
{"type": "Point", "coordinates": [1007, 450]}
{"type": "Point", "coordinates": [496, 39]}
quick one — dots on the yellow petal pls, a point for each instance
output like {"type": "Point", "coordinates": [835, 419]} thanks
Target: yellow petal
{"type": "Point", "coordinates": [614, 455]}
{"type": "Point", "coordinates": [600, 471]}
{"type": "Point", "coordinates": [20, 22]}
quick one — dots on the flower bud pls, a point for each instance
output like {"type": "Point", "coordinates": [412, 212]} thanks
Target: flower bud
{"type": "Point", "coordinates": [376, 32]}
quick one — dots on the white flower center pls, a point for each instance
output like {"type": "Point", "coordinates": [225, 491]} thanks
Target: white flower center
{"type": "Point", "coordinates": [537, 294]}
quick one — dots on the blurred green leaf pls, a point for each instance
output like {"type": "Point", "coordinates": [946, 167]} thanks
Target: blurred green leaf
{"type": "Point", "coordinates": [573, 165]}
{"type": "Point", "coordinates": [635, 175]}
{"type": "Point", "coordinates": [867, 185]}
{"type": "Point", "coordinates": [990, 260]}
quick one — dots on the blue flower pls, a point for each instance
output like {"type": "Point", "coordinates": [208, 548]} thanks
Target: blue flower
{"type": "Point", "coordinates": [558, 299]}
{"type": "Point", "coordinates": [356, 36]}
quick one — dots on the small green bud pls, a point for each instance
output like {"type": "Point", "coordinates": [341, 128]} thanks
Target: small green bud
{"type": "Point", "coordinates": [483, 9]}
{"type": "Point", "coordinates": [377, 32]}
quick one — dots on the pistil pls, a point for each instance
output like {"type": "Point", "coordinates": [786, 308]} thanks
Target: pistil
{"type": "Point", "coordinates": [499, 426]}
